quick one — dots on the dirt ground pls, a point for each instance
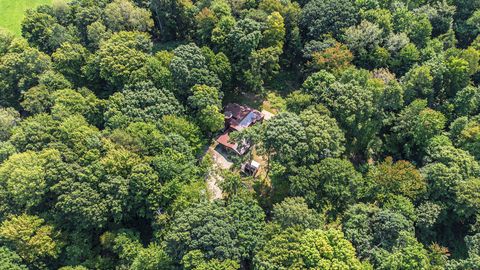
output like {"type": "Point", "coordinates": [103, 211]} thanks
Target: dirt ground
{"type": "Point", "coordinates": [221, 162]}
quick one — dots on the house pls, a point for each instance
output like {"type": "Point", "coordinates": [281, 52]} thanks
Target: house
{"type": "Point", "coordinates": [237, 118]}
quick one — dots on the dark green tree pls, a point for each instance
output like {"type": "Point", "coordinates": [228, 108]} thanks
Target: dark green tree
{"type": "Point", "coordinates": [332, 185]}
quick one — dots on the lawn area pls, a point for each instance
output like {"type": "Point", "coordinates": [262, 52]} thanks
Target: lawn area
{"type": "Point", "coordinates": [13, 12]}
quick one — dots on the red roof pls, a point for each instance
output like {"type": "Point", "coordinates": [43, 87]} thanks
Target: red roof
{"type": "Point", "coordinates": [239, 117]}
{"type": "Point", "coordinates": [224, 140]}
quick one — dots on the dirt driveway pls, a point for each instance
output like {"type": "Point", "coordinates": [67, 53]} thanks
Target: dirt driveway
{"type": "Point", "coordinates": [221, 162]}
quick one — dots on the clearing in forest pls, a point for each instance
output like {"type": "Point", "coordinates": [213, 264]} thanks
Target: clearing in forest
{"type": "Point", "coordinates": [13, 12]}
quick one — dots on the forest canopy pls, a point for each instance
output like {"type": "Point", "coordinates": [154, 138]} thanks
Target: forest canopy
{"type": "Point", "coordinates": [111, 111]}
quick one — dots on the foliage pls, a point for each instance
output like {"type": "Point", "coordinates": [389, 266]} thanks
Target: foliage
{"type": "Point", "coordinates": [121, 58]}
{"type": "Point", "coordinates": [17, 58]}
{"type": "Point", "coordinates": [330, 183]}
{"type": "Point", "coordinates": [321, 17]}
{"type": "Point", "coordinates": [400, 178]}
{"type": "Point", "coordinates": [9, 119]}
{"type": "Point", "coordinates": [293, 212]}
{"type": "Point", "coordinates": [123, 15]}
{"type": "Point", "coordinates": [370, 228]}
{"type": "Point", "coordinates": [30, 238]}
{"type": "Point", "coordinates": [110, 111]}
{"type": "Point", "coordinates": [10, 260]}
{"type": "Point", "coordinates": [141, 101]}
{"type": "Point", "coordinates": [311, 249]}
{"type": "Point", "coordinates": [25, 178]}
{"type": "Point", "coordinates": [207, 228]}
{"type": "Point", "coordinates": [417, 125]}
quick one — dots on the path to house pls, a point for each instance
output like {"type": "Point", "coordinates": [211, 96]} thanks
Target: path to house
{"type": "Point", "coordinates": [214, 177]}
{"type": "Point", "coordinates": [215, 192]}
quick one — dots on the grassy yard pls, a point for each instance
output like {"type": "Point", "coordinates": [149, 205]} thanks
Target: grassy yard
{"type": "Point", "coordinates": [13, 12]}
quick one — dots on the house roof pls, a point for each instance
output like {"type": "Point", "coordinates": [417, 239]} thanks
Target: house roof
{"type": "Point", "coordinates": [238, 111]}
{"type": "Point", "coordinates": [255, 164]}
{"type": "Point", "coordinates": [224, 140]}
{"type": "Point", "coordinates": [239, 117]}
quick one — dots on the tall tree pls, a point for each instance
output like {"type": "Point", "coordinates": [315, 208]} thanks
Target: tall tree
{"type": "Point", "coordinates": [33, 240]}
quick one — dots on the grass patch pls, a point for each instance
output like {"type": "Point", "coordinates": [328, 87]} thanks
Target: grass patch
{"type": "Point", "coordinates": [13, 12]}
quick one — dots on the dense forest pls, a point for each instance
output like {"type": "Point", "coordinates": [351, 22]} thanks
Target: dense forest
{"type": "Point", "coordinates": [370, 161]}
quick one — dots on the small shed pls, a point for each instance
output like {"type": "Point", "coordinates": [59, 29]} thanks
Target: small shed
{"type": "Point", "coordinates": [251, 168]}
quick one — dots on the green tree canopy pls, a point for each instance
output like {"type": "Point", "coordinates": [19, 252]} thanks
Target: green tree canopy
{"type": "Point", "coordinates": [330, 184]}
{"type": "Point", "coordinates": [33, 240]}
